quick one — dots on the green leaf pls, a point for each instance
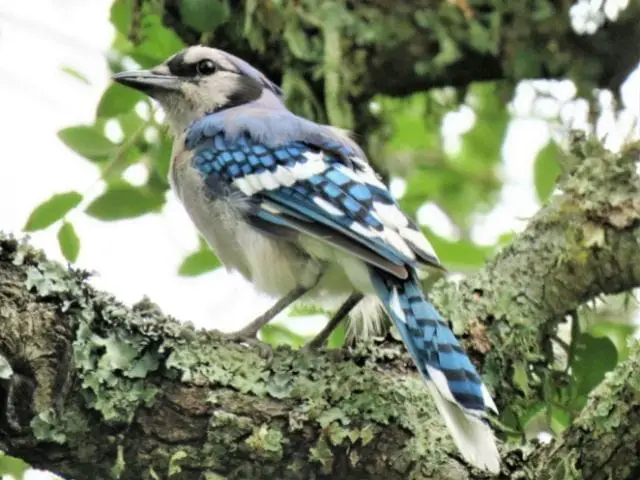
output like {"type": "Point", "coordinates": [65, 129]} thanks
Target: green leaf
{"type": "Point", "coordinates": [533, 416]}
{"type": "Point", "coordinates": [527, 61]}
{"type": "Point", "coordinates": [204, 15]}
{"type": "Point", "coordinates": [116, 100]}
{"type": "Point", "coordinates": [414, 127]}
{"type": "Point", "coordinates": [199, 262]}
{"type": "Point", "coordinates": [162, 157]}
{"type": "Point", "coordinates": [157, 41]}
{"type": "Point", "coordinates": [68, 241]}
{"type": "Point", "coordinates": [12, 466]}
{"type": "Point", "coordinates": [618, 333]}
{"type": "Point", "coordinates": [275, 334]}
{"type": "Point", "coordinates": [52, 210]}
{"type": "Point", "coordinates": [482, 145]}
{"type": "Point", "coordinates": [130, 123]}
{"type": "Point", "coordinates": [306, 309]}
{"type": "Point", "coordinates": [299, 44]}
{"type": "Point", "coordinates": [593, 357]}
{"type": "Point", "coordinates": [124, 201]}
{"type": "Point", "coordinates": [560, 420]}
{"type": "Point", "coordinates": [521, 378]}
{"type": "Point", "coordinates": [337, 337]}
{"type": "Point", "coordinates": [87, 141]}
{"type": "Point", "coordinates": [112, 170]}
{"type": "Point", "coordinates": [483, 38]}
{"type": "Point", "coordinates": [75, 74]}
{"type": "Point", "coordinates": [458, 253]}
{"type": "Point", "coordinates": [122, 15]}
{"type": "Point", "coordinates": [546, 170]}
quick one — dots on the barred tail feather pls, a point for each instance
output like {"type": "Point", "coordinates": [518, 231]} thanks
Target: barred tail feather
{"type": "Point", "coordinates": [471, 434]}
{"type": "Point", "coordinates": [458, 392]}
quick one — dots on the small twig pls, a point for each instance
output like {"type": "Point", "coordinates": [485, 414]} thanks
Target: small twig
{"type": "Point", "coordinates": [134, 29]}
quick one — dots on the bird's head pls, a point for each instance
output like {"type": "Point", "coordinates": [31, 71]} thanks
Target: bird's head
{"type": "Point", "coordinates": [200, 80]}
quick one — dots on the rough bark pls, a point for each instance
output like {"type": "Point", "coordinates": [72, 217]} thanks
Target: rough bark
{"type": "Point", "coordinates": [604, 441]}
{"type": "Point", "coordinates": [98, 389]}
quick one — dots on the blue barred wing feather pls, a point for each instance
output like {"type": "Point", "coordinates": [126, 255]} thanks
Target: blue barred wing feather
{"type": "Point", "coordinates": [323, 190]}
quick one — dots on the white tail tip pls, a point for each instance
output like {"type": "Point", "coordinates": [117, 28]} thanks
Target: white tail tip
{"type": "Point", "coordinates": [473, 437]}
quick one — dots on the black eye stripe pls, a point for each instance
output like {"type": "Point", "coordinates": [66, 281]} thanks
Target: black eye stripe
{"type": "Point", "coordinates": [178, 67]}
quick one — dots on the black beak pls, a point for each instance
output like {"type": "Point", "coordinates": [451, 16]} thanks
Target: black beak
{"type": "Point", "coordinates": [148, 82]}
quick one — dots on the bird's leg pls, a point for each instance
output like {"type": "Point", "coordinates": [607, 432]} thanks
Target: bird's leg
{"type": "Point", "coordinates": [250, 331]}
{"type": "Point", "coordinates": [348, 305]}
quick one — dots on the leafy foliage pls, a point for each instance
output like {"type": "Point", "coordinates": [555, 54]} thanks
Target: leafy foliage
{"type": "Point", "coordinates": [118, 100]}
{"type": "Point", "coordinates": [204, 15]}
{"type": "Point", "coordinates": [121, 105]}
{"type": "Point", "coordinates": [275, 334]}
{"type": "Point", "coordinates": [52, 210]}
{"type": "Point", "coordinates": [593, 357]}
{"type": "Point", "coordinates": [546, 170]}
{"type": "Point", "coordinates": [201, 261]}
{"type": "Point", "coordinates": [69, 241]}
{"type": "Point", "coordinates": [12, 466]}
{"type": "Point", "coordinates": [87, 141]}
{"type": "Point", "coordinates": [124, 201]}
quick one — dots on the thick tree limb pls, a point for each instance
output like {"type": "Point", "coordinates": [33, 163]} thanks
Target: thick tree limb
{"type": "Point", "coordinates": [98, 388]}
{"type": "Point", "coordinates": [584, 243]}
{"type": "Point", "coordinates": [604, 441]}
{"type": "Point", "coordinates": [124, 390]}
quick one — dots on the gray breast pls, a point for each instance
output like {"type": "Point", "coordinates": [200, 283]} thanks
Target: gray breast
{"type": "Point", "coordinates": [217, 218]}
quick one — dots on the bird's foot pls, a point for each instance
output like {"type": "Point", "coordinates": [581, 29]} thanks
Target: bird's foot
{"type": "Point", "coordinates": [248, 336]}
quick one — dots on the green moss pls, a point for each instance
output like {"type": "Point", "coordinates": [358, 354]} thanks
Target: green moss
{"type": "Point", "coordinates": [267, 442]}
{"type": "Point", "coordinates": [46, 427]}
{"type": "Point", "coordinates": [322, 454]}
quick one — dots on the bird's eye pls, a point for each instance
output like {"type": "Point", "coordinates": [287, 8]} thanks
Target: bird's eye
{"type": "Point", "coordinates": [205, 67]}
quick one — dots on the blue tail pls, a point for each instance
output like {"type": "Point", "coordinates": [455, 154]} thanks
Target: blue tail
{"type": "Point", "coordinates": [456, 387]}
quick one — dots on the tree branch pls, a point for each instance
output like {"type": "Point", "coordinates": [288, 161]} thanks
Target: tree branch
{"type": "Point", "coordinates": [604, 440]}
{"type": "Point", "coordinates": [584, 243]}
{"type": "Point", "coordinates": [99, 388]}
{"type": "Point", "coordinates": [398, 48]}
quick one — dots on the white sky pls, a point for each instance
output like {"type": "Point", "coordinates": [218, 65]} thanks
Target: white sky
{"type": "Point", "coordinates": [141, 256]}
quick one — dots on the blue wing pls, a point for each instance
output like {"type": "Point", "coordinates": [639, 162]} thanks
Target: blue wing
{"type": "Point", "coordinates": [323, 189]}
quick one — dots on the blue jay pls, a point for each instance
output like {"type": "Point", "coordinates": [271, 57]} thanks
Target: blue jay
{"type": "Point", "coordinates": [295, 207]}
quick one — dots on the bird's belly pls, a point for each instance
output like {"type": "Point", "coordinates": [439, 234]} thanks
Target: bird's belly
{"type": "Point", "coordinates": [274, 266]}
{"type": "Point", "coordinates": [344, 274]}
